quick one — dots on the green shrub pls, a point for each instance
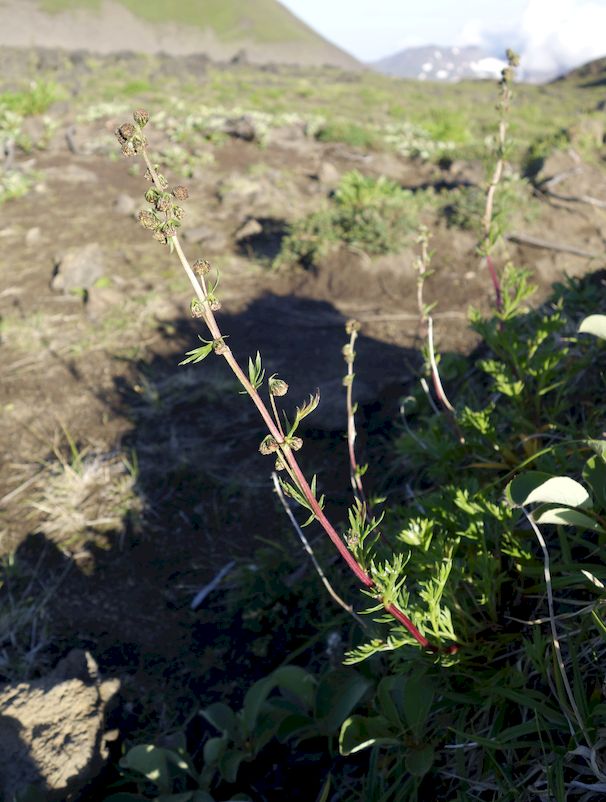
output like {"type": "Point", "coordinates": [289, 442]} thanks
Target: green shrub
{"type": "Point", "coordinates": [372, 215]}
{"type": "Point", "coordinates": [35, 100]}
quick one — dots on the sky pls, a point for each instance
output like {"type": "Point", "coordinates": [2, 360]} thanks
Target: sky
{"type": "Point", "coordinates": [551, 35]}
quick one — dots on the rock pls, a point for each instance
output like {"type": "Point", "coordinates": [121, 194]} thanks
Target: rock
{"type": "Point", "coordinates": [241, 128]}
{"type": "Point", "coordinates": [52, 730]}
{"type": "Point", "coordinates": [100, 299]}
{"type": "Point", "coordinates": [33, 236]}
{"type": "Point", "coordinates": [124, 204]}
{"type": "Point", "coordinates": [211, 239]}
{"type": "Point", "coordinates": [250, 228]}
{"type": "Point", "coordinates": [78, 268]}
{"type": "Point", "coordinates": [328, 175]}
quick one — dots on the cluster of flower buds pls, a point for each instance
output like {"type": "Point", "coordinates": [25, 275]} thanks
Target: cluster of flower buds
{"type": "Point", "coordinates": [165, 217]}
{"type": "Point", "coordinates": [130, 136]}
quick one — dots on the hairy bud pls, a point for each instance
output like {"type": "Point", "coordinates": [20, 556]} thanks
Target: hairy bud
{"type": "Point", "coordinates": [351, 326]}
{"type": "Point", "coordinates": [196, 308]}
{"type": "Point", "coordinates": [213, 302]}
{"type": "Point", "coordinates": [296, 443]}
{"type": "Point", "coordinates": [201, 267]}
{"type": "Point", "coordinates": [126, 131]}
{"type": "Point", "coordinates": [181, 193]}
{"type": "Point", "coordinates": [219, 346]}
{"type": "Point", "coordinates": [268, 445]}
{"type": "Point", "coordinates": [141, 117]}
{"type": "Point", "coordinates": [277, 386]}
{"type": "Point", "coordinates": [280, 464]}
{"type": "Point", "coordinates": [148, 219]}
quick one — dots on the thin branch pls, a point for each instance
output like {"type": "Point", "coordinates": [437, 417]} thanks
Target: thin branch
{"type": "Point", "coordinates": [535, 242]}
{"type": "Point", "coordinates": [352, 327]}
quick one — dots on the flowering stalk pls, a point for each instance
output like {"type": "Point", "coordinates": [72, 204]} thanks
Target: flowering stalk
{"type": "Point", "coordinates": [488, 235]}
{"type": "Point", "coordinates": [356, 471]}
{"type": "Point", "coordinates": [164, 220]}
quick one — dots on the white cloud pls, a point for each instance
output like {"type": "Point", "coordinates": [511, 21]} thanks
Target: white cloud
{"type": "Point", "coordinates": [552, 36]}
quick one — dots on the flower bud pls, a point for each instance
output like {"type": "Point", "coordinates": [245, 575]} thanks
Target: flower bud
{"type": "Point", "coordinates": [151, 196]}
{"type": "Point", "coordinates": [348, 354]}
{"type": "Point", "coordinates": [296, 443]}
{"type": "Point", "coordinates": [213, 302]}
{"type": "Point", "coordinates": [181, 193]}
{"type": "Point", "coordinates": [141, 117]}
{"type": "Point", "coordinates": [196, 308]}
{"type": "Point", "coordinates": [163, 204]}
{"type": "Point", "coordinates": [280, 464]}
{"type": "Point", "coordinates": [160, 236]}
{"type": "Point", "coordinates": [148, 219]}
{"type": "Point", "coordinates": [277, 386]}
{"type": "Point", "coordinates": [268, 445]}
{"type": "Point", "coordinates": [201, 267]}
{"type": "Point", "coordinates": [351, 326]}
{"type": "Point", "coordinates": [126, 131]}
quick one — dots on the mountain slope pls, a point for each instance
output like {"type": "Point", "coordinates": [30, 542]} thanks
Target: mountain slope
{"type": "Point", "coordinates": [266, 30]}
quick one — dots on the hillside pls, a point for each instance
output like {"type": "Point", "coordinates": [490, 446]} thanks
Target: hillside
{"type": "Point", "coordinates": [220, 29]}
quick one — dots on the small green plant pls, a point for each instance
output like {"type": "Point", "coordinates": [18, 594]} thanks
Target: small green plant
{"type": "Point", "coordinates": [375, 216]}
{"type": "Point", "coordinates": [350, 134]}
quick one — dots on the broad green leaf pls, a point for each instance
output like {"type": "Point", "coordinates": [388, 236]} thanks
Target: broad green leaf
{"type": "Point", "coordinates": [153, 762]}
{"type": "Point", "coordinates": [360, 732]}
{"type": "Point", "coordinates": [296, 681]}
{"type": "Point", "coordinates": [594, 473]}
{"type": "Point", "coordinates": [390, 694]}
{"type": "Point", "coordinates": [420, 760]}
{"type": "Point", "coordinates": [254, 700]}
{"type": "Point", "coordinates": [337, 695]}
{"type": "Point", "coordinates": [538, 487]}
{"type": "Point", "coordinates": [230, 763]}
{"type": "Point", "coordinates": [417, 701]}
{"type": "Point", "coordinates": [221, 717]}
{"type": "Point", "coordinates": [214, 750]}
{"type": "Point", "coordinates": [568, 517]}
{"type": "Point", "coordinates": [594, 324]}
{"type": "Point", "coordinates": [296, 726]}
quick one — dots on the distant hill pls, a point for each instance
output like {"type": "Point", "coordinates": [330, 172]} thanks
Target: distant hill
{"type": "Point", "coordinates": [264, 29]}
{"type": "Point", "coordinates": [435, 63]}
{"type": "Point", "coordinates": [593, 73]}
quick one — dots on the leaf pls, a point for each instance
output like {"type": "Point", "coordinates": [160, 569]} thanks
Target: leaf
{"type": "Point", "coordinates": [198, 354]}
{"type": "Point", "coordinates": [152, 762]}
{"type": "Point", "coordinates": [303, 411]}
{"type": "Point", "coordinates": [594, 473]}
{"type": "Point", "coordinates": [255, 371]}
{"type": "Point", "coordinates": [230, 763]}
{"type": "Point", "coordinates": [337, 695]}
{"type": "Point", "coordinates": [255, 698]}
{"type": "Point", "coordinates": [420, 760]}
{"type": "Point", "coordinates": [417, 702]}
{"type": "Point", "coordinates": [538, 487]}
{"type": "Point", "coordinates": [360, 732]}
{"type": "Point", "coordinates": [594, 324]}
{"type": "Point", "coordinates": [221, 717]}
{"type": "Point", "coordinates": [568, 517]}
{"type": "Point", "coordinates": [598, 446]}
{"type": "Point", "coordinates": [296, 681]}
{"type": "Point", "coordinates": [214, 749]}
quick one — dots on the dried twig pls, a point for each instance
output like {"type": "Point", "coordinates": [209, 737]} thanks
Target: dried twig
{"type": "Point", "coordinates": [535, 242]}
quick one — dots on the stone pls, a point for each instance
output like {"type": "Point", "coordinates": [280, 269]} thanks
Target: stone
{"type": "Point", "coordinates": [125, 205]}
{"type": "Point", "coordinates": [241, 128]}
{"type": "Point", "coordinates": [328, 175]}
{"type": "Point", "coordinates": [78, 268]}
{"type": "Point", "coordinates": [203, 235]}
{"type": "Point", "coordinates": [250, 228]}
{"type": "Point", "coordinates": [52, 730]}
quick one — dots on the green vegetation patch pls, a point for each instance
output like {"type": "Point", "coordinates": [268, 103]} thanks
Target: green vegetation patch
{"type": "Point", "coordinates": [372, 215]}
{"type": "Point", "coordinates": [259, 20]}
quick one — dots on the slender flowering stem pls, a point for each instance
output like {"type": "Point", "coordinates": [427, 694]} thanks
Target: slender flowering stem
{"type": "Point", "coordinates": [352, 327]}
{"type": "Point", "coordinates": [132, 145]}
